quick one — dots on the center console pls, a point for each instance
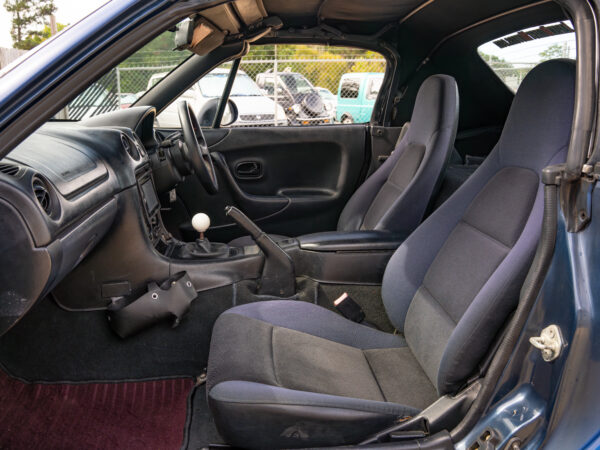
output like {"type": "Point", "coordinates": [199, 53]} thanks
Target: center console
{"type": "Point", "coordinates": [162, 240]}
{"type": "Point", "coordinates": [151, 205]}
{"type": "Point", "coordinates": [353, 257]}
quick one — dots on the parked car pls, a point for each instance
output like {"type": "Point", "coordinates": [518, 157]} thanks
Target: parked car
{"type": "Point", "coordinates": [356, 97]}
{"type": "Point", "coordinates": [127, 99]}
{"type": "Point", "coordinates": [329, 99]}
{"type": "Point", "coordinates": [302, 102]}
{"type": "Point", "coordinates": [254, 108]}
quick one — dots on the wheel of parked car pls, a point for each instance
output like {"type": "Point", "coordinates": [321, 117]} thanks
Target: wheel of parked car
{"type": "Point", "coordinates": [196, 148]}
{"type": "Point", "coordinates": [347, 120]}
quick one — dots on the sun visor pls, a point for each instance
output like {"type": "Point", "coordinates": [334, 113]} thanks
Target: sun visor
{"type": "Point", "coordinates": [198, 35]}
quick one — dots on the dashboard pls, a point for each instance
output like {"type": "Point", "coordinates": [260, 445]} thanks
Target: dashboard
{"type": "Point", "coordinates": [59, 197]}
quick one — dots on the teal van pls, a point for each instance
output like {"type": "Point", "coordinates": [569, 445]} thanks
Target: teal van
{"type": "Point", "coordinates": [356, 97]}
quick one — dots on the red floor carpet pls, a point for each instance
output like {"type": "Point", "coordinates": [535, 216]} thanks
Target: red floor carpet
{"type": "Point", "coordinates": [137, 415]}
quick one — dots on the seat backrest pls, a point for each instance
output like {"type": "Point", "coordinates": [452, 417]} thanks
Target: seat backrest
{"type": "Point", "coordinates": [395, 196]}
{"type": "Point", "coordinates": [452, 284]}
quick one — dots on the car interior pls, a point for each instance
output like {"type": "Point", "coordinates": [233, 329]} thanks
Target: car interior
{"type": "Point", "coordinates": [295, 286]}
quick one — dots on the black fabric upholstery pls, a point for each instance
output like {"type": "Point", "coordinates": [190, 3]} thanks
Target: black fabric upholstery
{"type": "Point", "coordinates": [449, 287]}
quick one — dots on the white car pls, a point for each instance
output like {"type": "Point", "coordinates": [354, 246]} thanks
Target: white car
{"type": "Point", "coordinates": [254, 108]}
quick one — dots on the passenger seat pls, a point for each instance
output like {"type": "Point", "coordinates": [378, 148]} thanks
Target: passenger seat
{"type": "Point", "coordinates": [394, 198]}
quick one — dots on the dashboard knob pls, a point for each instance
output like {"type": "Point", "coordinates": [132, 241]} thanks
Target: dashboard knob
{"type": "Point", "coordinates": [200, 223]}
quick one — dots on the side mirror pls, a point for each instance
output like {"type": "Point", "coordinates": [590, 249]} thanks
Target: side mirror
{"type": "Point", "coordinates": [206, 115]}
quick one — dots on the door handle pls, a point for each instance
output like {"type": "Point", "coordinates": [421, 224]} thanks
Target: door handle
{"type": "Point", "coordinates": [248, 170]}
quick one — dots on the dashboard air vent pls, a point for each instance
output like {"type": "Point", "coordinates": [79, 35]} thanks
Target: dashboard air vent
{"type": "Point", "coordinates": [42, 194]}
{"type": "Point", "coordinates": [9, 169]}
{"type": "Point", "coordinates": [130, 148]}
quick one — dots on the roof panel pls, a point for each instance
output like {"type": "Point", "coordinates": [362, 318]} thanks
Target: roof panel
{"type": "Point", "coordinates": [371, 11]}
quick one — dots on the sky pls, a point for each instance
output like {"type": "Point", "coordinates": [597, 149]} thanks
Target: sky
{"type": "Point", "coordinates": [68, 11]}
{"type": "Point", "coordinates": [529, 52]}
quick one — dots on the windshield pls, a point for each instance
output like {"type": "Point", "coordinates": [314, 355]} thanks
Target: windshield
{"type": "Point", "coordinates": [121, 86]}
{"type": "Point", "coordinates": [296, 83]}
{"type": "Point", "coordinates": [212, 85]}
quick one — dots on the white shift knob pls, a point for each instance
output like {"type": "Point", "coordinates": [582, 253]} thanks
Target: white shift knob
{"type": "Point", "coordinates": [200, 222]}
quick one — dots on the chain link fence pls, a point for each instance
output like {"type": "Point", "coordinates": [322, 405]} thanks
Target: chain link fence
{"type": "Point", "coordinates": [511, 74]}
{"type": "Point", "coordinates": [277, 85]}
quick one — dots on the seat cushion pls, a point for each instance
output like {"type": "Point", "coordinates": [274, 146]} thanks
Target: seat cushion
{"type": "Point", "coordinates": [313, 376]}
{"type": "Point", "coordinates": [244, 241]}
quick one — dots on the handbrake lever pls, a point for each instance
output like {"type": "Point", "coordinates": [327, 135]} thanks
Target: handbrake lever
{"type": "Point", "coordinates": [278, 277]}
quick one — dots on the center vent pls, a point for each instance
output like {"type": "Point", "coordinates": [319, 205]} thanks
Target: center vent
{"type": "Point", "coordinates": [130, 148]}
{"type": "Point", "coordinates": [42, 194]}
{"type": "Point", "coordinates": [9, 169]}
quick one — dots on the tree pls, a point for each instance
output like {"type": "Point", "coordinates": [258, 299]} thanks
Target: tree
{"type": "Point", "coordinates": [27, 14]}
{"type": "Point", "coordinates": [36, 38]}
{"type": "Point", "coordinates": [555, 51]}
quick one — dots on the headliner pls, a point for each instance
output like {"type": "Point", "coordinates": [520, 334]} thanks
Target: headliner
{"type": "Point", "coordinates": [441, 17]}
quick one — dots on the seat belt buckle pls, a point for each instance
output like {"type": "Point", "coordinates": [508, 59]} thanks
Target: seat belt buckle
{"type": "Point", "coordinates": [348, 308]}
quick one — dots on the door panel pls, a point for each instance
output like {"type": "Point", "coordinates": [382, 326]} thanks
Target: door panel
{"type": "Point", "coordinates": [290, 180]}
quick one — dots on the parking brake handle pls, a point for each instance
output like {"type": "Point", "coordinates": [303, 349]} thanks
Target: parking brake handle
{"type": "Point", "coordinates": [278, 277]}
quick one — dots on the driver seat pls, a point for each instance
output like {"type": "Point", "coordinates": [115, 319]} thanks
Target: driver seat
{"type": "Point", "coordinates": [394, 198]}
{"type": "Point", "coordinates": [286, 373]}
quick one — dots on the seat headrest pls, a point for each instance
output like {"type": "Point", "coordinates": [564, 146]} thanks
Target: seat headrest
{"type": "Point", "coordinates": [539, 121]}
{"type": "Point", "coordinates": [436, 107]}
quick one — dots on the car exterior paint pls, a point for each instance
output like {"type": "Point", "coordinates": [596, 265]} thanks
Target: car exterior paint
{"type": "Point", "coordinates": [359, 108]}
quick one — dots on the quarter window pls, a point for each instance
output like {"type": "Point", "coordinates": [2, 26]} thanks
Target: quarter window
{"type": "Point", "coordinates": [512, 56]}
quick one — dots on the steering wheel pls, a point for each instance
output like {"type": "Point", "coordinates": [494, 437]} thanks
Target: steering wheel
{"type": "Point", "coordinates": [196, 150]}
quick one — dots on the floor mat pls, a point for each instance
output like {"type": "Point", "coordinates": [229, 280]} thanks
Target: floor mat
{"type": "Point", "coordinates": [200, 428]}
{"type": "Point", "coordinates": [53, 345]}
{"type": "Point", "coordinates": [135, 415]}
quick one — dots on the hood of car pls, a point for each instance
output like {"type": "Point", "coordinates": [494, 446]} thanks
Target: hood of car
{"type": "Point", "coordinates": [256, 105]}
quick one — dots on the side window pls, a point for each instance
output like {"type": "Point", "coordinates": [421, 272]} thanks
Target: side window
{"type": "Point", "coordinates": [373, 87]}
{"type": "Point", "coordinates": [511, 57]}
{"type": "Point", "coordinates": [349, 88]}
{"type": "Point", "coordinates": [293, 85]}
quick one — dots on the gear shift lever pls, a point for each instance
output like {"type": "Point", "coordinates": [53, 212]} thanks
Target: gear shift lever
{"type": "Point", "coordinates": [200, 223]}
{"type": "Point", "coordinates": [201, 247]}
